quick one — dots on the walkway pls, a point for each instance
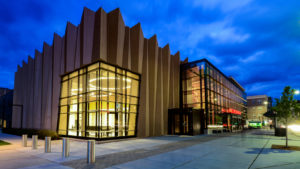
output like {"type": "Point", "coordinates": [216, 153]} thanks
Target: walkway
{"type": "Point", "coordinates": [242, 150]}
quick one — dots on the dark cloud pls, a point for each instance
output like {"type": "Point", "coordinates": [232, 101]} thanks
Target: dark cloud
{"type": "Point", "coordinates": [258, 42]}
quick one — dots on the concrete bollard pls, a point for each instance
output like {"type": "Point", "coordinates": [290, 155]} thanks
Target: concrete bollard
{"type": "Point", "coordinates": [34, 142]}
{"type": "Point", "coordinates": [24, 140]}
{"type": "Point", "coordinates": [91, 151]}
{"type": "Point", "coordinates": [65, 147]}
{"type": "Point", "coordinates": [47, 144]}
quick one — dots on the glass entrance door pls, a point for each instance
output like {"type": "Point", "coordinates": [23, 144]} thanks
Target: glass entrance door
{"type": "Point", "coordinates": [185, 123]}
{"type": "Point", "coordinates": [177, 123]}
{"type": "Point", "coordinates": [180, 122]}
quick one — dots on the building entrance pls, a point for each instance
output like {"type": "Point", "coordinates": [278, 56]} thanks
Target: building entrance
{"type": "Point", "coordinates": [186, 121]}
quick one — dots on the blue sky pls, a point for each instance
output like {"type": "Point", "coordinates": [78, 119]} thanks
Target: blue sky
{"type": "Point", "coordinates": [256, 42]}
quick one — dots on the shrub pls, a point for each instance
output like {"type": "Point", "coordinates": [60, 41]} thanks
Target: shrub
{"type": "Point", "coordinates": [48, 133]}
{"type": "Point", "coordinates": [41, 133]}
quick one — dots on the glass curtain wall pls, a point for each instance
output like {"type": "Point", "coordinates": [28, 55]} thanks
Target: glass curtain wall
{"type": "Point", "coordinates": [193, 87]}
{"type": "Point", "coordinates": [99, 101]}
{"type": "Point", "coordinates": [205, 87]}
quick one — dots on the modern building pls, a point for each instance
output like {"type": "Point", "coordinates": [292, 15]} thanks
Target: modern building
{"type": "Point", "coordinates": [219, 101]}
{"type": "Point", "coordinates": [103, 79]}
{"type": "Point", "coordinates": [6, 101]}
{"type": "Point", "coordinates": [257, 106]}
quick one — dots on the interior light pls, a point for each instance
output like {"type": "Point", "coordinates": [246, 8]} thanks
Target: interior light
{"type": "Point", "coordinates": [214, 126]}
{"type": "Point", "coordinates": [110, 78]}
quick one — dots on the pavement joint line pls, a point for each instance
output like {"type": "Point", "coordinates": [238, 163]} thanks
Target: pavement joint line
{"type": "Point", "coordinates": [259, 152]}
{"type": "Point", "coordinates": [286, 164]}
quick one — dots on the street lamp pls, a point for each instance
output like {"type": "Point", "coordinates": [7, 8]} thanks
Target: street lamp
{"type": "Point", "coordinates": [297, 92]}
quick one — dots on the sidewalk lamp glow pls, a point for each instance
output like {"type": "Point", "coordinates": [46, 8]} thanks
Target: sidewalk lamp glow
{"type": "Point", "coordinates": [265, 102]}
{"type": "Point", "coordinates": [294, 127]}
{"type": "Point", "coordinates": [297, 92]}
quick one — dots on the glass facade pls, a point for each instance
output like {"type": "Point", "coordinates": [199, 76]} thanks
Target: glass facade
{"type": "Point", "coordinates": [223, 100]}
{"type": "Point", "coordinates": [99, 101]}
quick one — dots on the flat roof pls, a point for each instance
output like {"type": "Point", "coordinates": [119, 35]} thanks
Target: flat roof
{"type": "Point", "coordinates": [258, 97]}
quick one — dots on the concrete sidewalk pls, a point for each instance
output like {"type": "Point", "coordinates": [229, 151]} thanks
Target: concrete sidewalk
{"type": "Point", "coordinates": [241, 150]}
{"type": "Point", "coordinates": [12, 156]}
{"type": "Point", "coordinates": [246, 150]}
{"type": "Point", "coordinates": [16, 156]}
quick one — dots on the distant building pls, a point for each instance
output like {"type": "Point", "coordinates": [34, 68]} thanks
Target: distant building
{"type": "Point", "coordinates": [270, 103]}
{"type": "Point", "coordinates": [257, 106]}
{"type": "Point", "coordinates": [6, 100]}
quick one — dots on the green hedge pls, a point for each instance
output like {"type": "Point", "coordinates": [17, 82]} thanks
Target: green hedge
{"type": "Point", "coordinates": [41, 133]}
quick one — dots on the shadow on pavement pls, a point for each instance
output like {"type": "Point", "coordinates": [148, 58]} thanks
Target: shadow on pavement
{"type": "Point", "coordinates": [266, 151]}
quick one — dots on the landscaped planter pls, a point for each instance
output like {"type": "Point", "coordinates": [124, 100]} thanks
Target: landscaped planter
{"type": "Point", "coordinates": [280, 132]}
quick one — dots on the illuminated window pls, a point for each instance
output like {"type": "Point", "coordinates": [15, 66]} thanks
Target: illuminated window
{"type": "Point", "coordinates": [205, 87]}
{"type": "Point", "coordinates": [99, 101]}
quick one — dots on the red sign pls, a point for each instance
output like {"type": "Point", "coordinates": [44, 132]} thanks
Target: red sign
{"type": "Point", "coordinates": [231, 111]}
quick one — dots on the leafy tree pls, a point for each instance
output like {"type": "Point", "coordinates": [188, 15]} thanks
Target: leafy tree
{"type": "Point", "coordinates": [287, 108]}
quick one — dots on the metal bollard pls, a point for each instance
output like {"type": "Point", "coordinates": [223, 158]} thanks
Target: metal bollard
{"type": "Point", "coordinates": [34, 141]}
{"type": "Point", "coordinates": [65, 147]}
{"type": "Point", "coordinates": [24, 140]}
{"type": "Point", "coordinates": [47, 144]}
{"type": "Point", "coordinates": [91, 151]}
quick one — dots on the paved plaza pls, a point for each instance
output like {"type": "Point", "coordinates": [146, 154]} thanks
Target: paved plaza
{"type": "Point", "coordinates": [250, 149]}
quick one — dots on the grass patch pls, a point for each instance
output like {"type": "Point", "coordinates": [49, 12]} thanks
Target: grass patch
{"type": "Point", "coordinates": [282, 147]}
{"type": "Point", "coordinates": [3, 143]}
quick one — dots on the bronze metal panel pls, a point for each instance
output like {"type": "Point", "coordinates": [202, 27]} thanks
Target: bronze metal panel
{"type": "Point", "coordinates": [143, 117]}
{"type": "Point", "coordinates": [176, 79]}
{"type": "Point", "coordinates": [24, 93]}
{"type": "Point", "coordinates": [166, 58]}
{"type": "Point", "coordinates": [152, 73]}
{"type": "Point", "coordinates": [100, 36]}
{"type": "Point", "coordinates": [38, 80]}
{"type": "Point", "coordinates": [159, 96]}
{"type": "Point", "coordinates": [56, 83]}
{"type": "Point", "coordinates": [126, 53]}
{"type": "Point", "coordinates": [87, 32]}
{"type": "Point", "coordinates": [77, 49]}
{"type": "Point", "coordinates": [115, 37]}
{"type": "Point", "coordinates": [136, 45]}
{"type": "Point", "coordinates": [70, 46]}
{"type": "Point", "coordinates": [30, 92]}
{"type": "Point", "coordinates": [47, 87]}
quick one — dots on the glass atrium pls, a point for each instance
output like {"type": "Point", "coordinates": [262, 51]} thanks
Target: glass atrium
{"type": "Point", "coordinates": [99, 101]}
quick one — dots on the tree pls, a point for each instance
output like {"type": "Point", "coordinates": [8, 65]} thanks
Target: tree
{"type": "Point", "coordinates": [287, 108]}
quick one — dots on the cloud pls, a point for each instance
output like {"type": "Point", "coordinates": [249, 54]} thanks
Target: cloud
{"type": "Point", "coordinates": [228, 35]}
{"type": "Point", "coordinates": [226, 6]}
{"type": "Point", "coordinates": [257, 42]}
{"type": "Point", "coordinates": [252, 58]}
